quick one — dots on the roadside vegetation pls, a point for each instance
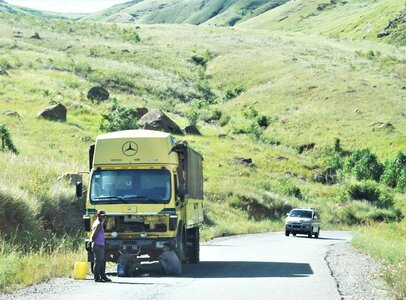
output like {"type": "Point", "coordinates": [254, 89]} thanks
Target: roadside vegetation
{"type": "Point", "coordinates": [322, 120]}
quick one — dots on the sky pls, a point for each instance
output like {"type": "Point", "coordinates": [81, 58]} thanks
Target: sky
{"type": "Point", "coordinates": [67, 6]}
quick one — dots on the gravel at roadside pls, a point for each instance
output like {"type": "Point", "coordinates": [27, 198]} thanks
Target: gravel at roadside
{"type": "Point", "coordinates": [357, 275]}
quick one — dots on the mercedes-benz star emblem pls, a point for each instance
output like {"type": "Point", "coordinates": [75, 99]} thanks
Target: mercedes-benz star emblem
{"type": "Point", "coordinates": [130, 148]}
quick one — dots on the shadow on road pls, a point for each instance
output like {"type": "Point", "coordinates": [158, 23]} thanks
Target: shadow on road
{"type": "Point", "coordinates": [243, 269]}
{"type": "Point", "coordinates": [320, 238]}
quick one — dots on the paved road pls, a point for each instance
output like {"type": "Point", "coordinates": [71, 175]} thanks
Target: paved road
{"type": "Point", "coordinates": [264, 266]}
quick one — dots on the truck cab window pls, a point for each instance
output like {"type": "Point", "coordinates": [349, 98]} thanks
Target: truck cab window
{"type": "Point", "coordinates": [131, 186]}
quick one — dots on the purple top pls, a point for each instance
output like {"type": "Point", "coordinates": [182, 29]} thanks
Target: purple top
{"type": "Point", "coordinates": [100, 236]}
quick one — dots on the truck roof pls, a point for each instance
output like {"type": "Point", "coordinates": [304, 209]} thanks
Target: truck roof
{"type": "Point", "coordinates": [141, 133]}
{"type": "Point", "coordinates": [134, 147]}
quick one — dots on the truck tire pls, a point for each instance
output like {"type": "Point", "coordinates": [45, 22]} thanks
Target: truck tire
{"type": "Point", "coordinates": [193, 254]}
{"type": "Point", "coordinates": [181, 244]}
{"type": "Point", "coordinates": [310, 233]}
{"type": "Point", "coordinates": [287, 233]}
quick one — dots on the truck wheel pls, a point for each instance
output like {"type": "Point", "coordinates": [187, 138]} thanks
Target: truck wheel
{"type": "Point", "coordinates": [287, 233]}
{"type": "Point", "coordinates": [194, 250]}
{"type": "Point", "coordinates": [310, 233]}
{"type": "Point", "coordinates": [316, 235]}
{"type": "Point", "coordinates": [181, 244]}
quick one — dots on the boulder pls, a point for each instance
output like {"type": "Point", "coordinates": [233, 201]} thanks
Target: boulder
{"type": "Point", "coordinates": [383, 33]}
{"type": "Point", "coordinates": [157, 120]}
{"type": "Point", "coordinates": [305, 147]}
{"type": "Point", "coordinates": [141, 111]}
{"type": "Point", "coordinates": [35, 36]}
{"type": "Point", "coordinates": [56, 112]}
{"type": "Point", "coordinates": [98, 94]}
{"type": "Point", "coordinates": [11, 113]}
{"type": "Point", "coordinates": [71, 178]}
{"type": "Point", "coordinates": [191, 129]}
{"type": "Point", "coordinates": [3, 73]}
{"type": "Point", "coordinates": [242, 161]}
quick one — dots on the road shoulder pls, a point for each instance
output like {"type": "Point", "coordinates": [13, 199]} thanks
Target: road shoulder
{"type": "Point", "coordinates": [358, 276]}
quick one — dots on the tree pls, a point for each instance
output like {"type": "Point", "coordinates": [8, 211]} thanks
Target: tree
{"type": "Point", "coordinates": [6, 142]}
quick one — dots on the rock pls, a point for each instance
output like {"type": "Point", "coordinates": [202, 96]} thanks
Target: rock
{"type": "Point", "coordinates": [35, 36]}
{"type": "Point", "coordinates": [222, 136]}
{"type": "Point", "coordinates": [98, 94]}
{"type": "Point", "coordinates": [157, 120]}
{"type": "Point", "coordinates": [125, 51]}
{"type": "Point", "coordinates": [387, 125]}
{"type": "Point", "coordinates": [242, 161]}
{"type": "Point", "coordinates": [382, 125]}
{"type": "Point", "coordinates": [141, 111]}
{"type": "Point", "coordinates": [281, 158]}
{"type": "Point", "coordinates": [11, 113]}
{"type": "Point", "coordinates": [305, 147]}
{"type": "Point", "coordinates": [357, 111]}
{"type": "Point", "coordinates": [71, 178]}
{"type": "Point", "coordinates": [383, 33]}
{"type": "Point", "coordinates": [191, 129]}
{"type": "Point", "coordinates": [54, 113]}
{"type": "Point", "coordinates": [3, 73]}
{"type": "Point", "coordinates": [87, 139]}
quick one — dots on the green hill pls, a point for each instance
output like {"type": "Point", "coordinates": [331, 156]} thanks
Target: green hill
{"type": "Point", "coordinates": [362, 19]}
{"type": "Point", "coordinates": [218, 12]}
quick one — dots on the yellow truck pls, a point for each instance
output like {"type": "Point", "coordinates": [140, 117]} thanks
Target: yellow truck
{"type": "Point", "coordinates": [152, 191]}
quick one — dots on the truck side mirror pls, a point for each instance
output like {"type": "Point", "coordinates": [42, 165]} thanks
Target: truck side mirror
{"type": "Point", "coordinates": [79, 189]}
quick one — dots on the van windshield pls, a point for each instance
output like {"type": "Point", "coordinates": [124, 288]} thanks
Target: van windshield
{"type": "Point", "coordinates": [131, 186]}
{"type": "Point", "coordinates": [301, 214]}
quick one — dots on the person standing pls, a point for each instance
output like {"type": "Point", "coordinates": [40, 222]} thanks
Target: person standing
{"type": "Point", "coordinates": [97, 240]}
{"type": "Point", "coordinates": [169, 261]}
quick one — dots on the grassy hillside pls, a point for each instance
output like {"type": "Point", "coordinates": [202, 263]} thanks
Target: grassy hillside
{"type": "Point", "coordinates": [216, 12]}
{"type": "Point", "coordinates": [361, 19]}
{"type": "Point", "coordinates": [256, 94]}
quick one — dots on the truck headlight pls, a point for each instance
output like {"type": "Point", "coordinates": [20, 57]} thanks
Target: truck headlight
{"type": "Point", "coordinates": [114, 234]}
{"type": "Point", "coordinates": [143, 235]}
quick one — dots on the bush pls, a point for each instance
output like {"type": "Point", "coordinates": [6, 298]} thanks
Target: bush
{"type": "Point", "coordinates": [361, 213]}
{"type": "Point", "coordinates": [363, 164]}
{"type": "Point", "coordinates": [119, 118]}
{"type": "Point", "coordinates": [5, 140]}
{"type": "Point", "coordinates": [233, 92]}
{"type": "Point", "coordinates": [286, 187]}
{"type": "Point", "coordinates": [130, 35]}
{"type": "Point", "coordinates": [371, 191]}
{"type": "Point", "coordinates": [395, 172]}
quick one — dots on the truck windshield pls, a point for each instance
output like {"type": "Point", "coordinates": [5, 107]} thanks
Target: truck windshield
{"type": "Point", "coordinates": [130, 186]}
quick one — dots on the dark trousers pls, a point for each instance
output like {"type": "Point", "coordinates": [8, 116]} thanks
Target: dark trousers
{"type": "Point", "coordinates": [99, 262]}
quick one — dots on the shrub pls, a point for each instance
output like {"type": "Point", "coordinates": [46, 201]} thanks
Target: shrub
{"type": "Point", "coordinates": [286, 187]}
{"type": "Point", "coordinates": [250, 112]}
{"type": "Point", "coordinates": [119, 118]}
{"type": "Point", "coordinates": [233, 92]}
{"type": "Point", "coordinates": [360, 213]}
{"type": "Point", "coordinates": [224, 120]}
{"type": "Point", "coordinates": [363, 164]}
{"type": "Point", "coordinates": [371, 191]}
{"type": "Point", "coordinates": [192, 116]}
{"type": "Point", "coordinates": [395, 172]}
{"type": "Point", "coordinates": [5, 139]}
{"type": "Point", "coordinates": [130, 35]}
